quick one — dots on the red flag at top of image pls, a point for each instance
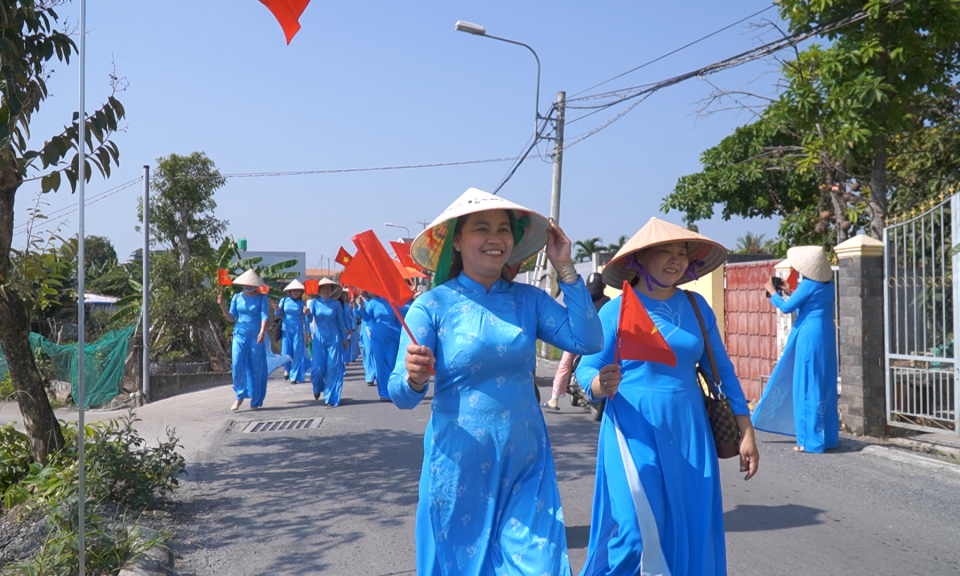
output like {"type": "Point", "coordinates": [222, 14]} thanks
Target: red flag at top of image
{"type": "Point", "coordinates": [638, 338]}
{"type": "Point", "coordinates": [223, 277]}
{"type": "Point", "coordinates": [287, 13]}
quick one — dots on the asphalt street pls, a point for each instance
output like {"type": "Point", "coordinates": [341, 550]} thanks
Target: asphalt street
{"type": "Point", "coordinates": [340, 498]}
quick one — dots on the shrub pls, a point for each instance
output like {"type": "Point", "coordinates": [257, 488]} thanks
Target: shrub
{"type": "Point", "coordinates": [7, 391]}
{"type": "Point", "coordinates": [14, 456]}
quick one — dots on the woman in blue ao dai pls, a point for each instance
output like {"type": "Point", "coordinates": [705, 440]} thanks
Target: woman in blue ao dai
{"type": "Point", "coordinates": [657, 507]}
{"type": "Point", "coordinates": [800, 399]}
{"type": "Point", "coordinates": [250, 311]}
{"type": "Point", "coordinates": [292, 308]}
{"type": "Point", "coordinates": [384, 339]}
{"type": "Point", "coordinates": [329, 342]}
{"type": "Point", "coordinates": [489, 502]}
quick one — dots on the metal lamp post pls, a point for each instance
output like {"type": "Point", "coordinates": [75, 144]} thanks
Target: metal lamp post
{"type": "Point", "coordinates": [398, 226]}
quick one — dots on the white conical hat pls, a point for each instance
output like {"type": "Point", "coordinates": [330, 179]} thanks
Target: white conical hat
{"type": "Point", "coordinates": [811, 261]}
{"type": "Point", "coordinates": [337, 288]}
{"type": "Point", "coordinates": [295, 285]}
{"type": "Point", "coordinates": [249, 278]}
{"type": "Point", "coordinates": [707, 254]}
{"type": "Point", "coordinates": [426, 247]}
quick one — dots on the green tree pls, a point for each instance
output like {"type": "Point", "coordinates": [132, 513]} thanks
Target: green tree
{"type": "Point", "coordinates": [822, 156]}
{"type": "Point", "coordinates": [586, 248]}
{"type": "Point", "coordinates": [98, 251]}
{"type": "Point", "coordinates": [182, 208]}
{"type": "Point", "coordinates": [616, 246]}
{"type": "Point", "coordinates": [30, 46]}
{"type": "Point", "coordinates": [750, 243]}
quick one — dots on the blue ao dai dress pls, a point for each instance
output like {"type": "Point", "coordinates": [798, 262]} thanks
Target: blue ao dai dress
{"type": "Point", "coordinates": [369, 364]}
{"type": "Point", "coordinates": [800, 399]}
{"type": "Point", "coordinates": [384, 340]}
{"type": "Point", "coordinates": [489, 502]}
{"type": "Point", "coordinates": [249, 358]}
{"type": "Point", "coordinates": [657, 505]}
{"type": "Point", "coordinates": [293, 343]}
{"type": "Point", "coordinates": [329, 334]}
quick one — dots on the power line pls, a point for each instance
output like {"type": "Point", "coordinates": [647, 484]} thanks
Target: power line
{"type": "Point", "coordinates": [672, 52]}
{"type": "Point", "coordinates": [528, 147]}
{"type": "Point", "coordinates": [374, 169]}
{"type": "Point", "coordinates": [63, 213]}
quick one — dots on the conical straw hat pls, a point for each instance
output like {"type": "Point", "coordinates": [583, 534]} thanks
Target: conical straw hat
{"type": "Point", "coordinates": [707, 254]}
{"type": "Point", "coordinates": [426, 247]}
{"type": "Point", "coordinates": [295, 285]}
{"type": "Point", "coordinates": [811, 261]}
{"type": "Point", "coordinates": [249, 278]}
{"type": "Point", "coordinates": [337, 288]}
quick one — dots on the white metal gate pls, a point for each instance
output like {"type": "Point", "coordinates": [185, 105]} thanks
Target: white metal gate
{"type": "Point", "coordinates": [920, 316]}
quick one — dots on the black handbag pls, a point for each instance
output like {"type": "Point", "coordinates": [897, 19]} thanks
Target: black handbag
{"type": "Point", "coordinates": [723, 423]}
{"type": "Point", "coordinates": [276, 327]}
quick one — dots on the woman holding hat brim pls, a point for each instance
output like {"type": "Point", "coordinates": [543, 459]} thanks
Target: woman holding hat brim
{"type": "Point", "coordinates": [657, 505]}
{"type": "Point", "coordinates": [489, 502]}
{"type": "Point", "coordinates": [293, 342]}
{"type": "Point", "coordinates": [250, 311]}
{"type": "Point", "coordinates": [800, 399]}
{"type": "Point", "coordinates": [329, 339]}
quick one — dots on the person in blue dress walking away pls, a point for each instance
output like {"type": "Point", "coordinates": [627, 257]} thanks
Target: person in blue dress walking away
{"type": "Point", "coordinates": [384, 339]}
{"type": "Point", "coordinates": [800, 399]}
{"type": "Point", "coordinates": [249, 311]}
{"type": "Point", "coordinates": [369, 363]}
{"type": "Point", "coordinates": [292, 310]}
{"type": "Point", "coordinates": [329, 343]}
{"type": "Point", "coordinates": [489, 502]}
{"type": "Point", "coordinates": [657, 505]}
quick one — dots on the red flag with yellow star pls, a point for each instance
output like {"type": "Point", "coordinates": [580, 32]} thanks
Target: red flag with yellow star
{"type": "Point", "coordinates": [638, 338]}
{"type": "Point", "coordinates": [343, 257]}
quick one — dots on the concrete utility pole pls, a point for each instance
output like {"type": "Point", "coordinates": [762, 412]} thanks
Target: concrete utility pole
{"type": "Point", "coordinates": [145, 285]}
{"type": "Point", "coordinates": [552, 287]}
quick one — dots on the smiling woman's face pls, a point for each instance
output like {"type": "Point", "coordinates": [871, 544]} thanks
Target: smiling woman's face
{"type": "Point", "coordinates": [485, 242]}
{"type": "Point", "coordinates": [666, 263]}
{"type": "Point", "coordinates": [326, 291]}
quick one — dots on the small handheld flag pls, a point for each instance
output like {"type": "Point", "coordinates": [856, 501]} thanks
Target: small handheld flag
{"type": "Point", "coordinates": [793, 279]}
{"type": "Point", "coordinates": [343, 257]}
{"type": "Point", "coordinates": [263, 289]}
{"type": "Point", "coordinates": [223, 277]}
{"type": "Point", "coordinates": [311, 287]}
{"type": "Point", "coordinates": [638, 338]}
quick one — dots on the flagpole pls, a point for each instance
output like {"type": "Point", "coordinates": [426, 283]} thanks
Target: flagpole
{"type": "Point", "coordinates": [81, 273]}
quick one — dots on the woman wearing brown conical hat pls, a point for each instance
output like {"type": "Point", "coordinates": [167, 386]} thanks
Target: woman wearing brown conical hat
{"type": "Point", "coordinates": [800, 399]}
{"type": "Point", "coordinates": [657, 503]}
{"type": "Point", "coordinates": [250, 311]}
{"type": "Point", "coordinates": [329, 341]}
{"type": "Point", "coordinates": [292, 309]}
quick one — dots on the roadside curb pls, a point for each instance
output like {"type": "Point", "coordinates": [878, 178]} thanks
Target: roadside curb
{"type": "Point", "coordinates": [927, 447]}
{"type": "Point", "coordinates": [155, 562]}
{"type": "Point", "coordinates": [913, 458]}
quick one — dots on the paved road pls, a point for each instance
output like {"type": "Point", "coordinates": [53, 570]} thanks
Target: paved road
{"type": "Point", "coordinates": [340, 499]}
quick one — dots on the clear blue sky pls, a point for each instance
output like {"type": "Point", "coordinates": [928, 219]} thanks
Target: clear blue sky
{"type": "Point", "coordinates": [386, 83]}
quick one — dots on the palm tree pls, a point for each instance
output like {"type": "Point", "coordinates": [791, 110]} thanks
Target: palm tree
{"type": "Point", "coordinates": [750, 243]}
{"type": "Point", "coordinates": [615, 247]}
{"type": "Point", "coordinates": [586, 248]}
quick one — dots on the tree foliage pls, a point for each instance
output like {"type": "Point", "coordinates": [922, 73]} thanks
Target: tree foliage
{"type": "Point", "coordinates": [864, 123]}
{"type": "Point", "coordinates": [29, 45]}
{"type": "Point", "coordinates": [586, 248]}
{"type": "Point", "coordinates": [182, 207]}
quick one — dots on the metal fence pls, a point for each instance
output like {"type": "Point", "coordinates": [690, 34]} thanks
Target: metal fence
{"type": "Point", "coordinates": [919, 316]}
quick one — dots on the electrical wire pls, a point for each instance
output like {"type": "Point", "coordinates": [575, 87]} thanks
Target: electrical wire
{"type": "Point", "coordinates": [374, 169]}
{"type": "Point", "coordinates": [672, 52]}
{"type": "Point", "coordinates": [528, 147]}
{"type": "Point", "coordinates": [62, 214]}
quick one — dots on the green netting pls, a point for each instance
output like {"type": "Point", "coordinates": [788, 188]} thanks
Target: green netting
{"type": "Point", "coordinates": [103, 363]}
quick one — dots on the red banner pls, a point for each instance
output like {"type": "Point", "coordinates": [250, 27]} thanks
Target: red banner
{"type": "Point", "coordinates": [287, 13]}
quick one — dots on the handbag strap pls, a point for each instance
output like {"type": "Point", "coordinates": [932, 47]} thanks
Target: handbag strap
{"type": "Point", "coordinates": [706, 342]}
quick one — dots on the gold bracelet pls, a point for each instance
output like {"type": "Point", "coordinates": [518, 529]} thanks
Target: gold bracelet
{"type": "Point", "coordinates": [568, 274]}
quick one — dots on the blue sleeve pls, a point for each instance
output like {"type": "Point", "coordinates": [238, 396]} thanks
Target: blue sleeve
{"type": "Point", "coordinates": [574, 328]}
{"type": "Point", "coordinates": [233, 306]}
{"type": "Point", "coordinates": [341, 323]}
{"type": "Point", "coordinates": [365, 312]}
{"type": "Point", "coordinates": [730, 384]}
{"type": "Point", "coordinates": [264, 308]}
{"type": "Point", "coordinates": [424, 326]}
{"type": "Point", "coordinates": [279, 310]}
{"type": "Point", "coordinates": [590, 366]}
{"type": "Point", "coordinates": [796, 300]}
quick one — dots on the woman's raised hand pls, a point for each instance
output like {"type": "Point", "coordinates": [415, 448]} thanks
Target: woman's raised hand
{"type": "Point", "coordinates": [419, 363]}
{"type": "Point", "coordinates": [558, 247]}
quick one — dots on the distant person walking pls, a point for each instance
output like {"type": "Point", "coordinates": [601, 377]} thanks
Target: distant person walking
{"type": "Point", "coordinates": [369, 363]}
{"type": "Point", "coordinates": [384, 339]}
{"type": "Point", "coordinates": [800, 398]}
{"type": "Point", "coordinates": [249, 311]}
{"type": "Point", "coordinates": [561, 380]}
{"type": "Point", "coordinates": [292, 311]}
{"type": "Point", "coordinates": [329, 343]}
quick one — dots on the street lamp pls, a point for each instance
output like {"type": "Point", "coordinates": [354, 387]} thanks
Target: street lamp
{"type": "Point", "coordinates": [478, 30]}
{"type": "Point", "coordinates": [398, 226]}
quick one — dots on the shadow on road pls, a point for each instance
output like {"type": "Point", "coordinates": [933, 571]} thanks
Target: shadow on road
{"type": "Point", "coordinates": [756, 518]}
{"type": "Point", "coordinates": [368, 474]}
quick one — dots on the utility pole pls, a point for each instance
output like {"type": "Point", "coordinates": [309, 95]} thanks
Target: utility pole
{"type": "Point", "coordinates": [552, 287]}
{"type": "Point", "coordinates": [145, 285]}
